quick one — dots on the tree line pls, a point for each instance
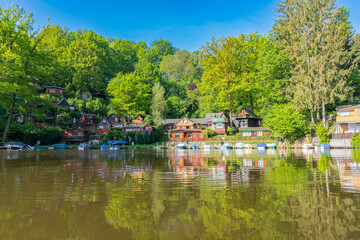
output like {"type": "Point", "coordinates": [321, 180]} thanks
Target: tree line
{"type": "Point", "coordinates": [302, 69]}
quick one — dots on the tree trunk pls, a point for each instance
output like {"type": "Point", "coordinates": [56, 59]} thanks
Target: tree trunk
{"type": "Point", "coordinates": [11, 109]}
{"type": "Point", "coordinates": [230, 112]}
{"type": "Point", "coordinates": [323, 107]}
{"type": "Point", "coordinates": [251, 103]}
{"type": "Point", "coordinates": [312, 114]}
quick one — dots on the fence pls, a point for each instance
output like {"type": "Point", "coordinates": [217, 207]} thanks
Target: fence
{"type": "Point", "coordinates": [342, 135]}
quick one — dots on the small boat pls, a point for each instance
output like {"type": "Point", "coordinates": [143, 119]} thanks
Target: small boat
{"type": "Point", "coordinates": [207, 147]}
{"type": "Point", "coordinates": [60, 146]}
{"type": "Point", "coordinates": [239, 145]}
{"type": "Point", "coordinates": [104, 147]}
{"type": "Point", "coordinates": [271, 146]}
{"type": "Point", "coordinates": [195, 147]}
{"type": "Point", "coordinates": [39, 148]}
{"type": "Point", "coordinates": [261, 146]}
{"type": "Point", "coordinates": [248, 146]}
{"type": "Point", "coordinates": [50, 147]}
{"type": "Point", "coordinates": [307, 146]}
{"type": "Point", "coordinates": [180, 146]}
{"type": "Point", "coordinates": [84, 146]}
{"type": "Point", "coordinates": [226, 146]}
{"type": "Point", "coordinates": [115, 147]}
{"type": "Point", "coordinates": [324, 146]}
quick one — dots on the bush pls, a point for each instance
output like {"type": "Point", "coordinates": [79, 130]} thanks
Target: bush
{"type": "Point", "coordinates": [208, 133]}
{"type": "Point", "coordinates": [322, 133]}
{"type": "Point", "coordinates": [229, 130]}
{"type": "Point", "coordinates": [355, 141]}
{"type": "Point", "coordinates": [139, 138]}
{"type": "Point", "coordinates": [30, 134]}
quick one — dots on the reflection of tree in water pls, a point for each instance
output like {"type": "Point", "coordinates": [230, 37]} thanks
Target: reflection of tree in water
{"type": "Point", "coordinates": [291, 202]}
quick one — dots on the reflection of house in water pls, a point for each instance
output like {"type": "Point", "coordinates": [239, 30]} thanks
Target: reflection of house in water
{"type": "Point", "coordinates": [349, 174]}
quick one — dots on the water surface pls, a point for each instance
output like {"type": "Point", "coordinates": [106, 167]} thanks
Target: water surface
{"type": "Point", "coordinates": [184, 194]}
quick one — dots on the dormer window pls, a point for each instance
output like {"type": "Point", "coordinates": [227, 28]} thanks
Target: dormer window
{"type": "Point", "coordinates": [185, 121]}
{"type": "Point", "coordinates": [104, 121]}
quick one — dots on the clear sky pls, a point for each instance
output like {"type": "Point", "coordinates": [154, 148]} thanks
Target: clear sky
{"type": "Point", "coordinates": [188, 24]}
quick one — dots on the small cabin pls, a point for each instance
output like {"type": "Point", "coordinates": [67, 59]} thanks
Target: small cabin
{"type": "Point", "coordinates": [183, 135]}
{"type": "Point", "coordinates": [23, 118]}
{"type": "Point", "coordinates": [54, 90]}
{"type": "Point", "coordinates": [103, 126]}
{"type": "Point", "coordinates": [139, 120]}
{"type": "Point", "coordinates": [85, 95]}
{"type": "Point", "coordinates": [88, 118]}
{"type": "Point", "coordinates": [246, 118]}
{"type": "Point", "coordinates": [115, 121]}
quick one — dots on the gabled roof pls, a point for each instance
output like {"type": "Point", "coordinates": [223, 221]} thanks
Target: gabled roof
{"type": "Point", "coordinates": [63, 102]}
{"type": "Point", "coordinates": [101, 121]}
{"type": "Point", "coordinates": [347, 107]}
{"type": "Point", "coordinates": [248, 111]}
{"type": "Point", "coordinates": [170, 121]}
{"type": "Point", "coordinates": [55, 87]}
{"type": "Point", "coordinates": [132, 126]}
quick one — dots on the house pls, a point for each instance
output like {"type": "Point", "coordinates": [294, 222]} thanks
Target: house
{"type": "Point", "coordinates": [117, 122]}
{"type": "Point", "coordinates": [248, 124]}
{"type": "Point", "coordinates": [85, 95]}
{"type": "Point", "coordinates": [348, 120]}
{"type": "Point", "coordinates": [54, 90]}
{"type": "Point", "coordinates": [64, 104]}
{"type": "Point", "coordinates": [75, 135]}
{"type": "Point", "coordinates": [218, 122]}
{"type": "Point", "coordinates": [23, 118]}
{"type": "Point", "coordinates": [139, 120]}
{"type": "Point", "coordinates": [88, 118]}
{"type": "Point", "coordinates": [169, 124]}
{"type": "Point", "coordinates": [136, 128]}
{"type": "Point", "coordinates": [103, 126]}
{"type": "Point", "coordinates": [185, 134]}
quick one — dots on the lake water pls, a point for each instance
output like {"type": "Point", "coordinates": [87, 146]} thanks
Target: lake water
{"type": "Point", "coordinates": [184, 194]}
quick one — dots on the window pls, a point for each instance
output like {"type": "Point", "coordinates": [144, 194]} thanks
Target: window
{"type": "Point", "coordinates": [246, 134]}
{"type": "Point", "coordinates": [344, 113]}
{"type": "Point", "coordinates": [104, 121]}
{"type": "Point", "coordinates": [20, 119]}
{"type": "Point", "coordinates": [189, 135]}
{"type": "Point", "coordinates": [177, 135]}
{"type": "Point", "coordinates": [259, 133]}
{"type": "Point", "coordinates": [185, 121]}
{"type": "Point", "coordinates": [72, 108]}
{"type": "Point", "coordinates": [84, 96]}
{"type": "Point", "coordinates": [219, 125]}
{"type": "Point", "coordinates": [101, 127]}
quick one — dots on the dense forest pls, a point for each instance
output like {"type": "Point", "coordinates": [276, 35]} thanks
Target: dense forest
{"type": "Point", "coordinates": [295, 75]}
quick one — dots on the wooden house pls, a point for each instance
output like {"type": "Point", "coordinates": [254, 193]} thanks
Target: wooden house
{"type": "Point", "coordinates": [169, 124]}
{"type": "Point", "coordinates": [218, 122]}
{"type": "Point", "coordinates": [23, 118]}
{"type": "Point", "coordinates": [185, 134]}
{"type": "Point", "coordinates": [246, 118]}
{"type": "Point", "coordinates": [88, 118]}
{"type": "Point", "coordinates": [64, 104]}
{"type": "Point", "coordinates": [348, 119]}
{"type": "Point", "coordinates": [136, 128]}
{"type": "Point", "coordinates": [254, 131]}
{"type": "Point", "coordinates": [139, 120]}
{"type": "Point", "coordinates": [103, 126]}
{"type": "Point", "coordinates": [85, 95]}
{"type": "Point", "coordinates": [117, 122]}
{"type": "Point", "coordinates": [54, 90]}
{"type": "Point", "coordinates": [186, 123]}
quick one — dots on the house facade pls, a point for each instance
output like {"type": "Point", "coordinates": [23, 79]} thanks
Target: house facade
{"type": "Point", "coordinates": [103, 126]}
{"type": "Point", "coordinates": [218, 122]}
{"type": "Point", "coordinates": [54, 90]}
{"type": "Point", "coordinates": [88, 118]}
{"type": "Point", "coordinates": [85, 95]}
{"type": "Point", "coordinates": [185, 134]}
{"type": "Point", "coordinates": [117, 122]}
{"type": "Point", "coordinates": [139, 120]}
{"type": "Point", "coordinates": [348, 119]}
{"type": "Point", "coordinates": [248, 124]}
{"type": "Point", "coordinates": [136, 128]}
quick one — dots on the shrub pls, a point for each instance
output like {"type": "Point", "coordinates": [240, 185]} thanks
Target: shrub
{"type": "Point", "coordinates": [229, 130]}
{"type": "Point", "coordinates": [139, 138]}
{"type": "Point", "coordinates": [146, 137]}
{"type": "Point", "coordinates": [355, 141]}
{"type": "Point", "coordinates": [322, 133]}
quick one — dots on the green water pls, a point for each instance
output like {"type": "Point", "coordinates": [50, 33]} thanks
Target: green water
{"type": "Point", "coordinates": [185, 194]}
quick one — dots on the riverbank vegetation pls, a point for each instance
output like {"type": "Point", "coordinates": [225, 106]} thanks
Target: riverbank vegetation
{"type": "Point", "coordinates": [291, 77]}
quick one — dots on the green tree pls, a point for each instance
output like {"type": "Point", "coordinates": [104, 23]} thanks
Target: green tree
{"type": "Point", "coordinates": [322, 133]}
{"type": "Point", "coordinates": [139, 138]}
{"type": "Point", "coordinates": [96, 106]}
{"type": "Point", "coordinates": [20, 59]}
{"type": "Point", "coordinates": [176, 106]}
{"type": "Point", "coordinates": [286, 122]}
{"type": "Point", "coordinates": [129, 95]}
{"type": "Point", "coordinates": [318, 39]}
{"type": "Point", "coordinates": [147, 139]}
{"type": "Point", "coordinates": [158, 104]}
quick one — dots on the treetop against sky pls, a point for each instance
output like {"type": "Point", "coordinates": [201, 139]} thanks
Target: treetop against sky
{"type": "Point", "coordinates": [188, 24]}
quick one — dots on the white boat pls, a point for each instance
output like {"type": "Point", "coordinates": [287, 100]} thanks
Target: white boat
{"type": "Point", "coordinates": [239, 145]}
{"type": "Point", "coordinates": [271, 146]}
{"type": "Point", "coordinates": [84, 146]}
{"type": "Point", "coordinates": [207, 147]}
{"type": "Point", "coordinates": [307, 146]}
{"type": "Point", "coordinates": [248, 146]}
{"type": "Point", "coordinates": [226, 146]}
{"type": "Point", "coordinates": [180, 146]}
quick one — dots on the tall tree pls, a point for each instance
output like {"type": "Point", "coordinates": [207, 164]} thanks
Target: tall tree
{"type": "Point", "coordinates": [129, 94]}
{"type": "Point", "coordinates": [318, 40]}
{"type": "Point", "coordinates": [20, 59]}
{"type": "Point", "coordinates": [158, 105]}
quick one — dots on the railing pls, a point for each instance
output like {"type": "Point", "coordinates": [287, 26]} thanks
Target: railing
{"type": "Point", "coordinates": [342, 135]}
{"type": "Point", "coordinates": [185, 139]}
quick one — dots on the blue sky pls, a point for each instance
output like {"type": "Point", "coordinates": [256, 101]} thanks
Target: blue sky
{"type": "Point", "coordinates": [188, 24]}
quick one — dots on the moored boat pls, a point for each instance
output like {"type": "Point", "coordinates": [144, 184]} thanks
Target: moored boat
{"type": "Point", "coordinates": [195, 147]}
{"type": "Point", "coordinates": [83, 146]}
{"type": "Point", "coordinates": [115, 147]}
{"type": "Point", "coordinates": [248, 146]}
{"type": "Point", "coordinates": [307, 146]}
{"type": "Point", "coordinates": [104, 147]}
{"type": "Point", "coordinates": [239, 145]}
{"type": "Point", "coordinates": [271, 146]}
{"type": "Point", "coordinates": [261, 146]}
{"type": "Point", "coordinates": [207, 147]}
{"type": "Point", "coordinates": [324, 146]}
{"type": "Point", "coordinates": [60, 146]}
{"type": "Point", "coordinates": [180, 146]}
{"type": "Point", "coordinates": [226, 146]}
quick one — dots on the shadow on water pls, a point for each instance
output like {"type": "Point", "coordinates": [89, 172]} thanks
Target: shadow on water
{"type": "Point", "coordinates": [183, 194]}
